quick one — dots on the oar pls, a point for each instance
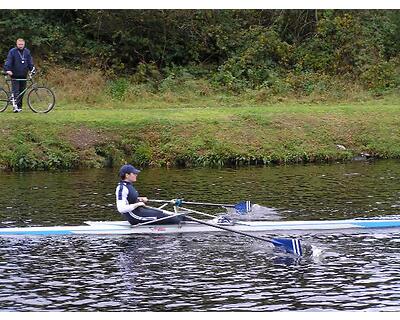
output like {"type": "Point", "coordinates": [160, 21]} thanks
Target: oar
{"type": "Point", "coordinates": [289, 245]}
{"type": "Point", "coordinates": [241, 207]}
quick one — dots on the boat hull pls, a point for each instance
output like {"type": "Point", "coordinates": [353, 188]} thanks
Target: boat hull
{"type": "Point", "coordinates": [123, 227]}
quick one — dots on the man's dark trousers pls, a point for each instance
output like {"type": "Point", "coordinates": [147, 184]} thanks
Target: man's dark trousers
{"type": "Point", "coordinates": [17, 87]}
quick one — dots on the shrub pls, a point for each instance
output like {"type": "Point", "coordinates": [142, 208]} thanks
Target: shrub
{"type": "Point", "coordinates": [118, 88]}
{"type": "Point", "coordinates": [257, 61]}
{"type": "Point", "coordinates": [383, 76]}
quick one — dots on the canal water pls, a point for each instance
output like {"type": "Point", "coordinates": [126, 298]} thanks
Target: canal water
{"type": "Point", "coordinates": [346, 271]}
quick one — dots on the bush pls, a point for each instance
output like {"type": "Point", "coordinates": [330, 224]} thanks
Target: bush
{"type": "Point", "coordinates": [383, 76]}
{"type": "Point", "coordinates": [118, 88]}
{"type": "Point", "coordinates": [257, 61]}
{"type": "Point", "coordinates": [142, 155]}
{"type": "Point", "coordinates": [22, 158]}
{"type": "Point", "coordinates": [147, 73]}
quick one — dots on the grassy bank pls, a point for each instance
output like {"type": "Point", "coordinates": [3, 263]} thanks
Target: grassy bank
{"type": "Point", "coordinates": [208, 131]}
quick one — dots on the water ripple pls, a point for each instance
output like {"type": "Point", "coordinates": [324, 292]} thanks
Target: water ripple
{"type": "Point", "coordinates": [357, 271]}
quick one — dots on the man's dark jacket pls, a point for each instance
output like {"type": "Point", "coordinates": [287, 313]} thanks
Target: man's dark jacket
{"type": "Point", "coordinates": [14, 62]}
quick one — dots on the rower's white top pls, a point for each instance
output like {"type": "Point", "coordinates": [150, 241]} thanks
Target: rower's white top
{"type": "Point", "coordinates": [123, 205]}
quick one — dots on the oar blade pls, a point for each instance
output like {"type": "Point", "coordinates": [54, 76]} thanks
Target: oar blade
{"type": "Point", "coordinates": [243, 207]}
{"type": "Point", "coordinates": [289, 245]}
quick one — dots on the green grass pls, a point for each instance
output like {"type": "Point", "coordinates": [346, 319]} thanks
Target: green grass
{"type": "Point", "coordinates": [139, 113]}
{"type": "Point", "coordinates": [206, 131]}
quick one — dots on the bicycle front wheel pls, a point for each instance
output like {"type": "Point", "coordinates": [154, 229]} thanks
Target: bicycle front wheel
{"type": "Point", "coordinates": [41, 100]}
{"type": "Point", "coordinates": [3, 100]}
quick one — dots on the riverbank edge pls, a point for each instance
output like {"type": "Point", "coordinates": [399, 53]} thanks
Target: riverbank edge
{"type": "Point", "coordinates": [241, 137]}
{"type": "Point", "coordinates": [110, 150]}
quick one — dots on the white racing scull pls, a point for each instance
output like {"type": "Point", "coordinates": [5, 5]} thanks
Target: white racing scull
{"type": "Point", "coordinates": [123, 227]}
{"type": "Point", "coordinates": [193, 225]}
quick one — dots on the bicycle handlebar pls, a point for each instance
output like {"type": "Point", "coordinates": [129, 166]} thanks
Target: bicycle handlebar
{"type": "Point", "coordinates": [29, 76]}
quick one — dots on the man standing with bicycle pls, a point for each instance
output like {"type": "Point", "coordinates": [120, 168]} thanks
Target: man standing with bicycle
{"type": "Point", "coordinates": [19, 62]}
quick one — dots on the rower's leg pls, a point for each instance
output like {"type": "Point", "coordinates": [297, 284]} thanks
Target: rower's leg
{"type": "Point", "coordinates": [131, 218]}
{"type": "Point", "coordinates": [150, 213]}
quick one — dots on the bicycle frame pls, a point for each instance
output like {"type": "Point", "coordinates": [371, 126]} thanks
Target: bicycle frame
{"type": "Point", "coordinates": [40, 99]}
{"type": "Point", "coordinates": [9, 87]}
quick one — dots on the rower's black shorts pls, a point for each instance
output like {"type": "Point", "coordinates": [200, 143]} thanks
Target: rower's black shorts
{"type": "Point", "coordinates": [143, 214]}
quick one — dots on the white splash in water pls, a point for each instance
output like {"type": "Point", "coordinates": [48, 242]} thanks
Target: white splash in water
{"type": "Point", "coordinates": [316, 252]}
{"type": "Point", "coordinates": [257, 213]}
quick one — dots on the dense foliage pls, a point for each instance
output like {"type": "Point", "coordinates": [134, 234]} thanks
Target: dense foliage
{"type": "Point", "coordinates": [277, 50]}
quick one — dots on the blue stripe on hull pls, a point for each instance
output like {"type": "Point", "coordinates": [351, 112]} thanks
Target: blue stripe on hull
{"type": "Point", "coordinates": [377, 224]}
{"type": "Point", "coordinates": [35, 233]}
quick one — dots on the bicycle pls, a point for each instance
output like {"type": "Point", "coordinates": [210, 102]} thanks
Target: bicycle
{"type": "Point", "coordinates": [40, 98]}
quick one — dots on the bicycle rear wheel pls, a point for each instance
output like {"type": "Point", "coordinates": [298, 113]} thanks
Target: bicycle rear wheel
{"type": "Point", "coordinates": [3, 100]}
{"type": "Point", "coordinates": [41, 99]}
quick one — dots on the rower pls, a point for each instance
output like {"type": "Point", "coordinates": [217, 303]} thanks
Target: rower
{"type": "Point", "coordinates": [131, 206]}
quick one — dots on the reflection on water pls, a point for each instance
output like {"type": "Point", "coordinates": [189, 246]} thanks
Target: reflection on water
{"type": "Point", "coordinates": [351, 271]}
{"type": "Point", "coordinates": [214, 272]}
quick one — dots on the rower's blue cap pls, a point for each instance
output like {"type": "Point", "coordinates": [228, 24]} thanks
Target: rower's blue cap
{"type": "Point", "coordinates": [127, 169]}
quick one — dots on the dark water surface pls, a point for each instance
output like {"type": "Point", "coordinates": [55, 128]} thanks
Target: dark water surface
{"type": "Point", "coordinates": [349, 270]}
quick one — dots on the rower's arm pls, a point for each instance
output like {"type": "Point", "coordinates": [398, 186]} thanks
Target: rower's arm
{"type": "Point", "coordinates": [123, 205]}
